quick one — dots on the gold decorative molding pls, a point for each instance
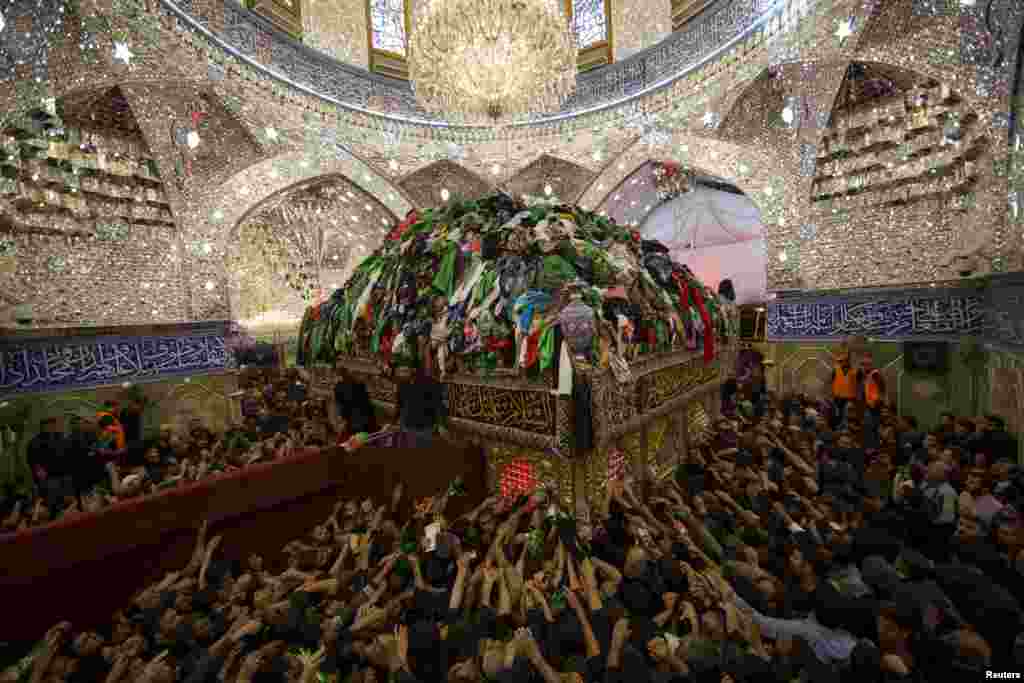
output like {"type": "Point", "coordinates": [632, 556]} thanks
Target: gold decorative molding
{"type": "Point", "coordinates": [664, 385]}
{"type": "Point", "coordinates": [528, 411]}
{"type": "Point", "coordinates": [698, 423]}
{"type": "Point", "coordinates": [506, 435]}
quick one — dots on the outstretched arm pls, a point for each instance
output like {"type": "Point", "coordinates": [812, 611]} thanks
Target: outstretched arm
{"type": "Point", "coordinates": [196, 563]}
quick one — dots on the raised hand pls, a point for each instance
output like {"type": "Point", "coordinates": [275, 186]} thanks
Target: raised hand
{"type": "Point", "coordinates": [464, 561]}
{"type": "Point", "coordinates": [658, 648]}
{"type": "Point", "coordinates": [402, 639]}
{"type": "Point", "coordinates": [57, 635]}
{"type": "Point", "coordinates": [157, 670]}
{"type": "Point", "coordinates": [311, 662]}
{"type": "Point", "coordinates": [621, 633]}
{"type": "Point", "coordinates": [572, 599]}
{"type": "Point", "coordinates": [527, 644]}
{"type": "Point", "coordinates": [247, 628]}
{"type": "Point", "coordinates": [251, 665]}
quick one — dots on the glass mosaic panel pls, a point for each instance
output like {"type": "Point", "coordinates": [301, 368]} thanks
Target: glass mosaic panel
{"type": "Point", "coordinates": [589, 22]}
{"type": "Point", "coordinates": [387, 18]}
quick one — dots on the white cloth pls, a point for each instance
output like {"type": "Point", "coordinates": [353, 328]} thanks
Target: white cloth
{"type": "Point", "coordinates": [364, 298]}
{"type": "Point", "coordinates": [468, 283]}
{"type": "Point", "coordinates": [564, 371]}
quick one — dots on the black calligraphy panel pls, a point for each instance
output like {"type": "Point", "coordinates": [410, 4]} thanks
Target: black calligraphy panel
{"type": "Point", "coordinates": [531, 411]}
{"type": "Point", "coordinates": [74, 365]}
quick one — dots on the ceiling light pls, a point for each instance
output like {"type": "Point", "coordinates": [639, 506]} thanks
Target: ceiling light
{"type": "Point", "coordinates": [496, 169]}
{"type": "Point", "coordinates": [445, 194]}
{"type": "Point", "coordinates": [548, 190]}
{"type": "Point", "coordinates": [783, 257]}
{"type": "Point", "coordinates": [492, 60]}
{"type": "Point", "coordinates": [393, 165]}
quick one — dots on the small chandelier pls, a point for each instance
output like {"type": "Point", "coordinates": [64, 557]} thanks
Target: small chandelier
{"type": "Point", "coordinates": [491, 60]}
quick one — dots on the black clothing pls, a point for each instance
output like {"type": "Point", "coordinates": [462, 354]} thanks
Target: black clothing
{"type": "Point", "coordinates": [49, 451]}
{"type": "Point", "coordinates": [131, 422]}
{"type": "Point", "coordinates": [421, 404]}
{"type": "Point", "coordinates": [354, 406]}
{"type": "Point", "coordinates": [90, 669]}
{"type": "Point", "coordinates": [582, 408]}
{"type": "Point", "coordinates": [86, 468]}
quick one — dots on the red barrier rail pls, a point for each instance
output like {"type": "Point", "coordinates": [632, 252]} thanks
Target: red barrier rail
{"type": "Point", "coordinates": [85, 567]}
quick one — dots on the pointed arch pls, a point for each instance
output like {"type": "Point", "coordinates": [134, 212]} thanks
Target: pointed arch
{"type": "Point", "coordinates": [567, 179]}
{"type": "Point", "coordinates": [425, 186]}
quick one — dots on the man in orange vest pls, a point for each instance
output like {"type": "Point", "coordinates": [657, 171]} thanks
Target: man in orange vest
{"type": "Point", "coordinates": [111, 428]}
{"type": "Point", "coordinates": [874, 397]}
{"type": "Point", "coordinates": [845, 379]}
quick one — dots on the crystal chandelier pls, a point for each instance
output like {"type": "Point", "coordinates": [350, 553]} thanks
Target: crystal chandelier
{"type": "Point", "coordinates": [492, 60]}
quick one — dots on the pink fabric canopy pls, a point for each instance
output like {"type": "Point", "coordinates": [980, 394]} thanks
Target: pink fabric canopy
{"type": "Point", "coordinates": [718, 235]}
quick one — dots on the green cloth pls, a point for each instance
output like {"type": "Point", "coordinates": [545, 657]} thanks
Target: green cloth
{"type": "Point", "coordinates": [444, 281]}
{"type": "Point", "coordinates": [546, 348]}
{"type": "Point", "coordinates": [485, 285]}
{"type": "Point", "coordinates": [555, 272]}
{"type": "Point", "coordinates": [378, 332]}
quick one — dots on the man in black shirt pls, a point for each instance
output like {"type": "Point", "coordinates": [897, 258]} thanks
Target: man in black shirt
{"type": "Point", "coordinates": [421, 407]}
{"type": "Point", "coordinates": [86, 468]}
{"type": "Point", "coordinates": [353, 404]}
{"type": "Point", "coordinates": [131, 421]}
{"type": "Point", "coordinates": [48, 462]}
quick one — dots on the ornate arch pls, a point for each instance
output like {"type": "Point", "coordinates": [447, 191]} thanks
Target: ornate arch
{"type": "Point", "coordinates": [750, 170]}
{"type": "Point", "coordinates": [216, 219]}
{"type": "Point", "coordinates": [568, 180]}
{"type": "Point", "coordinates": [425, 185]}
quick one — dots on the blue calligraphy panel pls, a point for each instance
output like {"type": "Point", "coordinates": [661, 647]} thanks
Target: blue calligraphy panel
{"type": "Point", "coordinates": [76, 364]}
{"type": "Point", "coordinates": [907, 315]}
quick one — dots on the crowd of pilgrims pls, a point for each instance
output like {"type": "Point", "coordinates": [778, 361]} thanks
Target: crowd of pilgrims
{"type": "Point", "coordinates": [103, 459]}
{"type": "Point", "coordinates": [779, 550]}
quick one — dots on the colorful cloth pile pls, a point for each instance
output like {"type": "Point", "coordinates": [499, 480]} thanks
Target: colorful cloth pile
{"type": "Point", "coordinates": [483, 282]}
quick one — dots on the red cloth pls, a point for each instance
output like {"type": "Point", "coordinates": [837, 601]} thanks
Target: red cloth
{"type": "Point", "coordinates": [709, 330]}
{"type": "Point", "coordinates": [386, 341]}
{"type": "Point", "coordinates": [698, 300]}
{"type": "Point", "coordinates": [532, 349]}
{"type": "Point", "coordinates": [493, 344]}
